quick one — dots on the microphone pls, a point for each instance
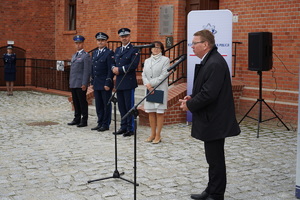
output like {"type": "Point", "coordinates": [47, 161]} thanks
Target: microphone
{"type": "Point", "coordinates": [144, 46]}
{"type": "Point", "coordinates": [182, 58]}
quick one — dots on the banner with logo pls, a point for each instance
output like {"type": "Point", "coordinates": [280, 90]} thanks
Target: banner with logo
{"type": "Point", "coordinates": [219, 22]}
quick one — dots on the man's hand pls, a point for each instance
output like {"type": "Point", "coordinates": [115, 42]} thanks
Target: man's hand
{"type": "Point", "coordinates": [183, 105]}
{"type": "Point", "coordinates": [83, 87]}
{"type": "Point", "coordinates": [187, 98]}
{"type": "Point", "coordinates": [115, 70]}
{"type": "Point", "coordinates": [106, 88]}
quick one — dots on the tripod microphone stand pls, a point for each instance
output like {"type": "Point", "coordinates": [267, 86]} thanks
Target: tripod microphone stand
{"type": "Point", "coordinates": [133, 111]}
{"type": "Point", "coordinates": [113, 99]}
{"type": "Point", "coordinates": [116, 173]}
{"type": "Point", "coordinates": [260, 100]}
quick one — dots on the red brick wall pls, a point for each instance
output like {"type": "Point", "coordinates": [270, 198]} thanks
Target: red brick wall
{"type": "Point", "coordinates": [30, 24]}
{"type": "Point", "coordinates": [141, 16]}
{"type": "Point", "coordinates": [280, 85]}
{"type": "Point", "coordinates": [173, 114]}
{"type": "Point", "coordinates": [39, 27]}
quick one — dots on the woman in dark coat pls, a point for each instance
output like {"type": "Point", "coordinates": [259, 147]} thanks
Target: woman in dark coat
{"type": "Point", "coordinates": [9, 60]}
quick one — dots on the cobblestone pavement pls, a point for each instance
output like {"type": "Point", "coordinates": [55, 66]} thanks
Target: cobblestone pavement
{"type": "Point", "coordinates": [39, 161]}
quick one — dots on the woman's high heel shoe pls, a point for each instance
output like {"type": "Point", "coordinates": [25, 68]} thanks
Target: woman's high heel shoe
{"type": "Point", "coordinates": [149, 139]}
{"type": "Point", "coordinates": [156, 141]}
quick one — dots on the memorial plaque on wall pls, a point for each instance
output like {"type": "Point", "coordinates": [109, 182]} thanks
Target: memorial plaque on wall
{"type": "Point", "coordinates": [166, 20]}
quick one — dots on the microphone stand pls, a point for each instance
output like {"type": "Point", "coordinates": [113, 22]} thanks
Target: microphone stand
{"type": "Point", "coordinates": [133, 111]}
{"type": "Point", "coordinates": [113, 99]}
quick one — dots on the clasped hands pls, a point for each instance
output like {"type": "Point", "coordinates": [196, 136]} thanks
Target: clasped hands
{"type": "Point", "coordinates": [183, 103]}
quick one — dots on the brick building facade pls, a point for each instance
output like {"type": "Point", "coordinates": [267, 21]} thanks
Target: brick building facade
{"type": "Point", "coordinates": [41, 28]}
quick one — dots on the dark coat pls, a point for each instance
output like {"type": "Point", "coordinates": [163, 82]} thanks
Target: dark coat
{"type": "Point", "coordinates": [80, 70]}
{"type": "Point", "coordinates": [101, 69]}
{"type": "Point", "coordinates": [212, 103]}
{"type": "Point", "coordinates": [9, 63]}
{"type": "Point", "coordinates": [123, 61]}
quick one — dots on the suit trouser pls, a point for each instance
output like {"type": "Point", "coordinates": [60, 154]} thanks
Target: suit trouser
{"type": "Point", "coordinates": [125, 103]}
{"type": "Point", "coordinates": [80, 105]}
{"type": "Point", "coordinates": [103, 109]}
{"type": "Point", "coordinates": [215, 157]}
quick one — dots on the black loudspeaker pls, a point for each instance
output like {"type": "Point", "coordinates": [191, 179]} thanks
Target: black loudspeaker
{"type": "Point", "coordinates": [260, 51]}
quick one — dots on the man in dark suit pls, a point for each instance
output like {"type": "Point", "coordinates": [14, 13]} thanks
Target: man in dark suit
{"type": "Point", "coordinates": [212, 106]}
{"type": "Point", "coordinates": [102, 81]}
{"type": "Point", "coordinates": [79, 81]}
{"type": "Point", "coordinates": [126, 61]}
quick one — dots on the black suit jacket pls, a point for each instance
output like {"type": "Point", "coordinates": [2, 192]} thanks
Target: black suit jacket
{"type": "Point", "coordinates": [212, 104]}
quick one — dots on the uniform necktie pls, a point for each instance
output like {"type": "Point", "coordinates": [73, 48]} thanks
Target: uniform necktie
{"type": "Point", "coordinates": [76, 54]}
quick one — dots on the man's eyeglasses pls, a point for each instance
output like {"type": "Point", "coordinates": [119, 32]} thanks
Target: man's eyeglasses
{"type": "Point", "coordinates": [194, 43]}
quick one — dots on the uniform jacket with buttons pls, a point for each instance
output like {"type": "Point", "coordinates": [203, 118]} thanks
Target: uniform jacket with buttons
{"type": "Point", "coordinates": [9, 63]}
{"type": "Point", "coordinates": [212, 104]}
{"type": "Point", "coordinates": [80, 70]}
{"type": "Point", "coordinates": [102, 74]}
{"type": "Point", "coordinates": [123, 60]}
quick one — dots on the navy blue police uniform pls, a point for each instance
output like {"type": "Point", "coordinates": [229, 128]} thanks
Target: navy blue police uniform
{"type": "Point", "coordinates": [126, 60]}
{"type": "Point", "coordinates": [80, 76]}
{"type": "Point", "coordinates": [9, 65]}
{"type": "Point", "coordinates": [102, 60]}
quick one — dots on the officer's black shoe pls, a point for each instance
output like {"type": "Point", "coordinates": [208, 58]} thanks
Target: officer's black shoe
{"type": "Point", "coordinates": [201, 196]}
{"type": "Point", "coordinates": [128, 133]}
{"type": "Point", "coordinates": [209, 198]}
{"type": "Point", "coordinates": [82, 125]}
{"type": "Point", "coordinates": [101, 129]}
{"type": "Point", "coordinates": [73, 123]}
{"type": "Point", "coordinates": [119, 132]}
{"type": "Point", "coordinates": [95, 128]}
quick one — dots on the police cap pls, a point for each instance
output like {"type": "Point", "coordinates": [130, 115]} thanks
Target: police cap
{"type": "Point", "coordinates": [124, 31]}
{"type": "Point", "coordinates": [101, 36]}
{"type": "Point", "coordinates": [78, 38]}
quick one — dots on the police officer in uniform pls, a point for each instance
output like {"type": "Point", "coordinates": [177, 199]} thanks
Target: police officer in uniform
{"type": "Point", "coordinates": [126, 61]}
{"type": "Point", "coordinates": [102, 81]}
{"type": "Point", "coordinates": [9, 60]}
{"type": "Point", "coordinates": [79, 81]}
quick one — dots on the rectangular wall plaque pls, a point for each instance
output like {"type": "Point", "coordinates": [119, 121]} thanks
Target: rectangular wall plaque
{"type": "Point", "coordinates": [166, 20]}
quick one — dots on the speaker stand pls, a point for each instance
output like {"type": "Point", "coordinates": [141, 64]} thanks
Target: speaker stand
{"type": "Point", "coordinates": [260, 100]}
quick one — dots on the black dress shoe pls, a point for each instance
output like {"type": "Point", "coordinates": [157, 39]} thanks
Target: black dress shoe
{"type": "Point", "coordinates": [209, 198]}
{"type": "Point", "coordinates": [81, 125]}
{"type": "Point", "coordinates": [202, 196]}
{"type": "Point", "coordinates": [101, 129]}
{"type": "Point", "coordinates": [119, 132]}
{"type": "Point", "coordinates": [73, 123]}
{"type": "Point", "coordinates": [128, 133]}
{"type": "Point", "coordinates": [95, 128]}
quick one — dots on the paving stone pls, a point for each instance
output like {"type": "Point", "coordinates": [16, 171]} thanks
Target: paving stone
{"type": "Point", "coordinates": [43, 158]}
